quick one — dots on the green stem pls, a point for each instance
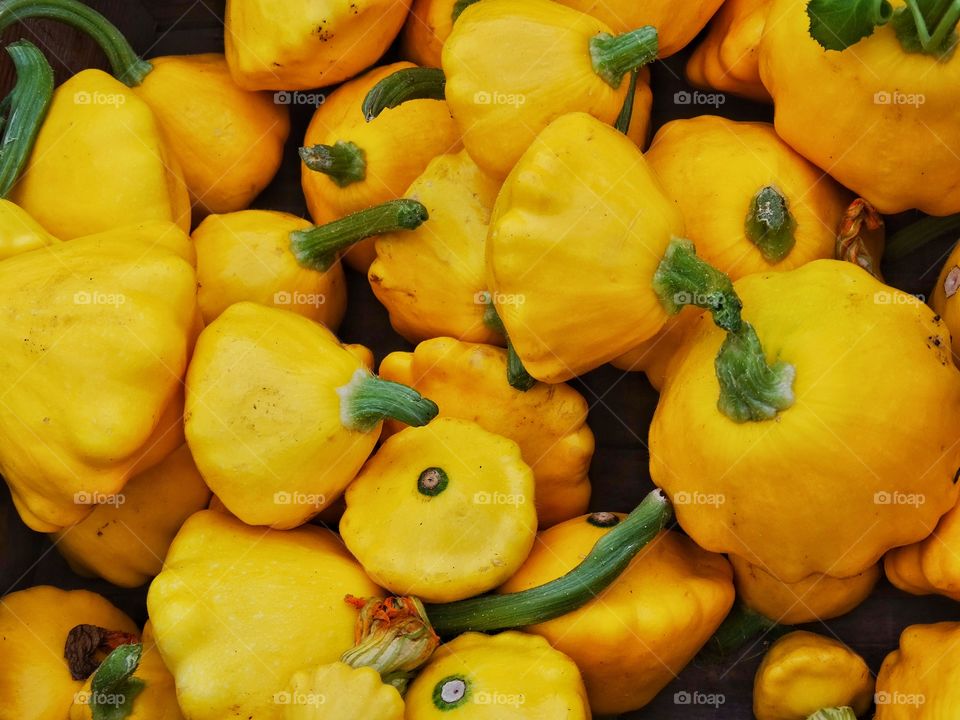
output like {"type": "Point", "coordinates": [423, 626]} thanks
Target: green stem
{"type": "Point", "coordinates": [609, 557]}
{"type": "Point", "coordinates": [127, 66]}
{"type": "Point", "coordinates": [912, 25]}
{"type": "Point", "coordinates": [343, 162]}
{"type": "Point", "coordinates": [517, 376]}
{"type": "Point", "coordinates": [916, 235]}
{"type": "Point", "coordinates": [626, 112]}
{"type": "Point", "coordinates": [770, 225]}
{"type": "Point", "coordinates": [23, 110]}
{"type": "Point", "coordinates": [741, 625]}
{"type": "Point", "coordinates": [458, 7]}
{"type": "Point", "coordinates": [837, 713]}
{"type": "Point", "coordinates": [414, 83]}
{"type": "Point", "coordinates": [750, 388]}
{"type": "Point", "coordinates": [613, 56]}
{"type": "Point", "coordinates": [945, 27]}
{"type": "Point", "coordinates": [318, 247]}
{"type": "Point", "coordinates": [367, 400]}
{"type": "Point", "coordinates": [113, 688]}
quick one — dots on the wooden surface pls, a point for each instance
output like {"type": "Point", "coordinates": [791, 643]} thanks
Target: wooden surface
{"type": "Point", "coordinates": [621, 403]}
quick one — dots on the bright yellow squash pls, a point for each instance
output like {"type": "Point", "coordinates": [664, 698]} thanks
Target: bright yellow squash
{"type": "Point", "coordinates": [646, 626]}
{"type": "Point", "coordinates": [302, 44]}
{"type": "Point", "coordinates": [513, 66]}
{"type": "Point", "coordinates": [448, 251]}
{"type": "Point", "coordinates": [577, 235]}
{"type": "Point", "coordinates": [803, 673]}
{"type": "Point", "coordinates": [931, 565]}
{"type": "Point", "coordinates": [280, 416]}
{"type": "Point", "coordinates": [19, 232]}
{"type": "Point", "coordinates": [124, 541]}
{"type": "Point", "coordinates": [548, 422]}
{"type": "Point", "coordinates": [336, 691]}
{"type": "Point", "coordinates": [918, 681]}
{"type": "Point", "coordinates": [829, 484]}
{"type": "Point", "coordinates": [483, 677]}
{"type": "Point", "coordinates": [443, 512]}
{"type": "Point", "coordinates": [280, 595]}
{"type": "Point", "coordinates": [350, 164]}
{"type": "Point", "coordinates": [891, 136]}
{"type": "Point", "coordinates": [36, 681]}
{"type": "Point", "coordinates": [100, 162]}
{"type": "Point", "coordinates": [97, 332]}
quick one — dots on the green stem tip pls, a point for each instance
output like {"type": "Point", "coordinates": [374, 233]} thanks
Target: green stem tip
{"type": "Point", "coordinates": [626, 111]}
{"type": "Point", "coordinates": [113, 688]}
{"type": "Point", "coordinates": [609, 557]}
{"type": "Point", "coordinates": [127, 66]}
{"type": "Point", "coordinates": [367, 400]}
{"type": "Point", "coordinates": [741, 625]}
{"type": "Point", "coordinates": [770, 225]}
{"type": "Point", "coordinates": [343, 162]}
{"type": "Point", "coordinates": [318, 247]}
{"type": "Point", "coordinates": [24, 110]}
{"type": "Point", "coordinates": [613, 56]}
{"type": "Point", "coordinates": [517, 376]}
{"type": "Point", "coordinates": [414, 83]}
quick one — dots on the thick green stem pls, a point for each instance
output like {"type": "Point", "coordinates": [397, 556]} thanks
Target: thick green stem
{"type": "Point", "coordinates": [609, 557]}
{"type": "Point", "coordinates": [626, 111]}
{"type": "Point", "coordinates": [23, 110]}
{"type": "Point", "coordinates": [837, 713]}
{"type": "Point", "coordinates": [127, 66]}
{"type": "Point", "coordinates": [915, 236]}
{"type": "Point", "coordinates": [684, 279]}
{"type": "Point", "coordinates": [613, 56]}
{"type": "Point", "coordinates": [367, 400]}
{"type": "Point", "coordinates": [913, 24]}
{"type": "Point", "coordinates": [113, 689]}
{"type": "Point", "coordinates": [741, 625]}
{"type": "Point", "coordinates": [517, 376]}
{"type": "Point", "coordinates": [318, 247]}
{"type": "Point", "coordinates": [343, 162]}
{"type": "Point", "coordinates": [408, 84]}
{"type": "Point", "coordinates": [770, 225]}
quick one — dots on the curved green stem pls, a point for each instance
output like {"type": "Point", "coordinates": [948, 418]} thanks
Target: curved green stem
{"type": "Point", "coordinates": [770, 225]}
{"type": "Point", "coordinates": [837, 713]}
{"type": "Point", "coordinates": [113, 688]}
{"type": "Point", "coordinates": [127, 66]}
{"type": "Point", "coordinates": [367, 400]}
{"type": "Point", "coordinates": [915, 236]}
{"type": "Point", "coordinates": [24, 110]}
{"type": "Point", "coordinates": [318, 247]}
{"type": "Point", "coordinates": [609, 557]}
{"type": "Point", "coordinates": [684, 279]}
{"type": "Point", "coordinates": [343, 162]}
{"type": "Point", "coordinates": [414, 83]}
{"type": "Point", "coordinates": [741, 625]}
{"type": "Point", "coordinates": [613, 56]}
{"type": "Point", "coordinates": [913, 22]}
{"type": "Point", "coordinates": [626, 111]}
{"type": "Point", "coordinates": [517, 376]}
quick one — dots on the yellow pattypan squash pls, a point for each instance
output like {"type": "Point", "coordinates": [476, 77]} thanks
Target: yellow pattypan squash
{"type": "Point", "coordinates": [97, 333]}
{"type": "Point", "coordinates": [100, 162]}
{"type": "Point", "coordinates": [336, 691]}
{"type": "Point", "coordinates": [873, 106]}
{"type": "Point", "coordinates": [443, 512]}
{"type": "Point", "coordinates": [304, 44]}
{"type": "Point", "coordinates": [774, 210]}
{"type": "Point", "coordinates": [847, 451]}
{"type": "Point", "coordinates": [271, 603]}
{"type": "Point", "coordinates": [280, 416]}
{"type": "Point", "coordinates": [578, 232]}
{"type": "Point", "coordinates": [931, 565]}
{"type": "Point", "coordinates": [942, 299]}
{"type": "Point", "coordinates": [728, 59]}
{"type": "Point", "coordinates": [247, 255]}
{"type": "Point", "coordinates": [483, 677]}
{"type": "Point", "coordinates": [36, 679]}
{"type": "Point", "coordinates": [513, 66]}
{"type": "Point", "coordinates": [646, 626]}
{"type": "Point", "coordinates": [815, 597]}
{"type": "Point", "coordinates": [350, 164]}
{"type": "Point", "coordinates": [548, 422]}
{"type": "Point", "coordinates": [803, 672]}
{"type": "Point", "coordinates": [432, 280]}
{"type": "Point", "coordinates": [125, 539]}
{"type": "Point", "coordinates": [918, 681]}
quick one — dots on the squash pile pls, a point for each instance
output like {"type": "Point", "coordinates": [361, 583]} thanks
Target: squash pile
{"type": "Point", "coordinates": [324, 534]}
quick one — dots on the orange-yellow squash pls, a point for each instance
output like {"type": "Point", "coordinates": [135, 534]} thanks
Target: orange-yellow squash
{"type": "Point", "coordinates": [918, 681]}
{"type": "Point", "coordinates": [548, 422]}
{"type": "Point", "coordinates": [337, 691]}
{"type": "Point", "coordinates": [931, 565]}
